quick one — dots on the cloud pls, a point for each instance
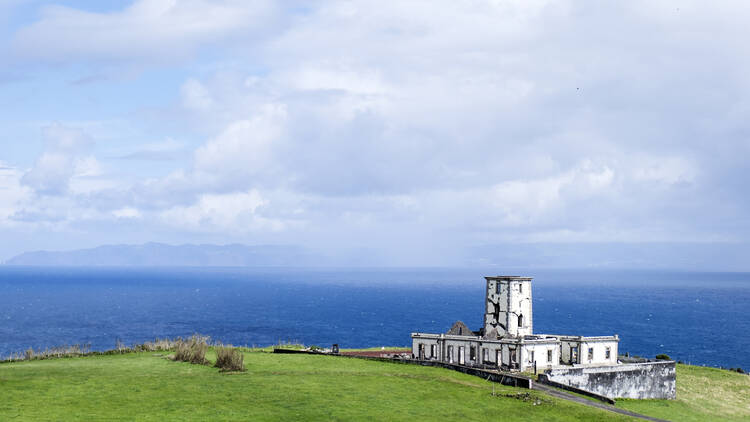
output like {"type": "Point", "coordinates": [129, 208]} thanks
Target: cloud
{"type": "Point", "coordinates": [150, 30]}
{"type": "Point", "coordinates": [195, 96]}
{"type": "Point", "coordinates": [12, 193]}
{"type": "Point", "coordinates": [243, 149]}
{"type": "Point", "coordinates": [63, 158]}
{"type": "Point", "coordinates": [494, 115]}
{"type": "Point", "coordinates": [387, 122]}
{"type": "Point", "coordinates": [125, 213]}
{"type": "Point", "coordinates": [227, 213]}
{"type": "Point", "coordinates": [167, 150]}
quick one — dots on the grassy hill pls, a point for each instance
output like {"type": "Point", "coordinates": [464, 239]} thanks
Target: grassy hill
{"type": "Point", "coordinates": [148, 387]}
{"type": "Point", "coordinates": [702, 394]}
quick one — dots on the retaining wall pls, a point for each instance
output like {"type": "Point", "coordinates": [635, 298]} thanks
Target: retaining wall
{"type": "Point", "coordinates": [652, 380]}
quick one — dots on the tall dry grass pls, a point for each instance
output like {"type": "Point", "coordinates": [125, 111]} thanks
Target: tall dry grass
{"type": "Point", "coordinates": [51, 352]}
{"type": "Point", "coordinates": [192, 350]}
{"type": "Point", "coordinates": [67, 351]}
{"type": "Point", "coordinates": [229, 359]}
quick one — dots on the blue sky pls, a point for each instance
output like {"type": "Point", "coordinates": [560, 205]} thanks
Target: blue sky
{"type": "Point", "coordinates": [418, 133]}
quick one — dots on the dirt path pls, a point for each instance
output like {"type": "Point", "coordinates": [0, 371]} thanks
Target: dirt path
{"type": "Point", "coordinates": [580, 400]}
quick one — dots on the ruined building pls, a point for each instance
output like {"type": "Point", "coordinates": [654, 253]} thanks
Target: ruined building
{"type": "Point", "coordinates": [507, 342]}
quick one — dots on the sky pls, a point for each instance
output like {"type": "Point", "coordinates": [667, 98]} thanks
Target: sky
{"type": "Point", "coordinates": [404, 133]}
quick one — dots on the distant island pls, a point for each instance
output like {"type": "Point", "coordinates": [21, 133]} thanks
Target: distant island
{"type": "Point", "coordinates": [160, 254]}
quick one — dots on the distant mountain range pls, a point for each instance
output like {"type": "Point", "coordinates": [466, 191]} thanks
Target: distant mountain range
{"type": "Point", "coordinates": [159, 254]}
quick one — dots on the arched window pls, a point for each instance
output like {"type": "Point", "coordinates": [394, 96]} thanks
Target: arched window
{"type": "Point", "coordinates": [520, 320]}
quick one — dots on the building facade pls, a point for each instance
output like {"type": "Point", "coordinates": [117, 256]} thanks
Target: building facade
{"type": "Point", "coordinates": [507, 339]}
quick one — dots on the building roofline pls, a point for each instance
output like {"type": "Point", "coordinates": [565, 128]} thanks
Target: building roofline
{"type": "Point", "coordinates": [508, 277]}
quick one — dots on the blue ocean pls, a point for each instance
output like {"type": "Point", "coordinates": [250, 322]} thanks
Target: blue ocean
{"type": "Point", "coordinates": [699, 318]}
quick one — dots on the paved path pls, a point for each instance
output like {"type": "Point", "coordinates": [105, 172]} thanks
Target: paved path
{"type": "Point", "coordinates": [586, 402]}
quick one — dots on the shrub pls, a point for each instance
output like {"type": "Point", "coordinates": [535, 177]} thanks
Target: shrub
{"type": "Point", "coordinates": [192, 350]}
{"type": "Point", "coordinates": [662, 356]}
{"type": "Point", "coordinates": [229, 358]}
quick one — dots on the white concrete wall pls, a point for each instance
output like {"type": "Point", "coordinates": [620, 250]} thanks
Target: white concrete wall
{"type": "Point", "coordinates": [540, 356]}
{"type": "Point", "coordinates": [599, 347]}
{"type": "Point", "coordinates": [503, 307]}
{"type": "Point", "coordinates": [520, 304]}
{"type": "Point", "coordinates": [600, 352]}
{"type": "Point", "coordinates": [652, 380]}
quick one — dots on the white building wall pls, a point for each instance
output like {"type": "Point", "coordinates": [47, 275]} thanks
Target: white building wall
{"type": "Point", "coordinates": [539, 353]}
{"type": "Point", "coordinates": [508, 302]}
{"type": "Point", "coordinates": [595, 352]}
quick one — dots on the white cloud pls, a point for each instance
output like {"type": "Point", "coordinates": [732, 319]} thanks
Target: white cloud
{"type": "Point", "coordinates": [61, 160]}
{"type": "Point", "coordinates": [195, 96]}
{"type": "Point", "coordinates": [156, 30]}
{"type": "Point", "coordinates": [125, 213]}
{"type": "Point", "coordinates": [666, 170]}
{"type": "Point", "coordinates": [462, 122]}
{"type": "Point", "coordinates": [12, 193]}
{"type": "Point", "coordinates": [234, 212]}
{"type": "Point", "coordinates": [243, 149]}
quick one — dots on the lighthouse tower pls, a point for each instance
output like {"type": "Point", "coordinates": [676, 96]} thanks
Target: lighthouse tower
{"type": "Point", "coordinates": [508, 307]}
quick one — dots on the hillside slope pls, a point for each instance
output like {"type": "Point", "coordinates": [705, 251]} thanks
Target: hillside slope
{"type": "Point", "coordinates": [148, 387]}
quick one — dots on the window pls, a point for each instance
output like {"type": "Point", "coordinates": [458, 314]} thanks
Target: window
{"type": "Point", "coordinates": [472, 353]}
{"type": "Point", "coordinates": [549, 356]}
{"type": "Point", "coordinates": [485, 355]}
{"type": "Point", "coordinates": [520, 320]}
{"type": "Point", "coordinates": [607, 353]}
{"type": "Point", "coordinates": [433, 351]}
{"type": "Point", "coordinates": [497, 287]}
{"type": "Point", "coordinates": [532, 356]}
{"type": "Point", "coordinates": [520, 287]}
{"type": "Point", "coordinates": [591, 354]}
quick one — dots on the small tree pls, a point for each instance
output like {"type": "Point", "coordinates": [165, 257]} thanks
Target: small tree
{"type": "Point", "coordinates": [662, 356]}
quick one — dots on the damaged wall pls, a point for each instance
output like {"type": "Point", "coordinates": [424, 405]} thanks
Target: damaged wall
{"type": "Point", "coordinates": [652, 380]}
{"type": "Point", "coordinates": [508, 307]}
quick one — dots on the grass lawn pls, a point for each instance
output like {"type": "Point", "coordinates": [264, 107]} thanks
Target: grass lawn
{"type": "Point", "coordinates": [148, 387]}
{"type": "Point", "coordinates": [702, 394]}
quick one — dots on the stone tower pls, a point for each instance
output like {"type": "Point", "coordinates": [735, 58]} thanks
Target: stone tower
{"type": "Point", "coordinates": [508, 307]}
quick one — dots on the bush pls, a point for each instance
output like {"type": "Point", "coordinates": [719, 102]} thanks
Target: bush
{"type": "Point", "coordinates": [158, 345]}
{"type": "Point", "coordinates": [229, 358]}
{"type": "Point", "coordinates": [192, 350]}
{"type": "Point", "coordinates": [662, 356]}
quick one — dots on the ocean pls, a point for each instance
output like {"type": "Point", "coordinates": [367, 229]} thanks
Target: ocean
{"type": "Point", "coordinates": [698, 318]}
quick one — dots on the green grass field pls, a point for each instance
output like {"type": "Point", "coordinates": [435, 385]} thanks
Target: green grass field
{"type": "Point", "coordinates": [148, 387]}
{"type": "Point", "coordinates": [703, 394]}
